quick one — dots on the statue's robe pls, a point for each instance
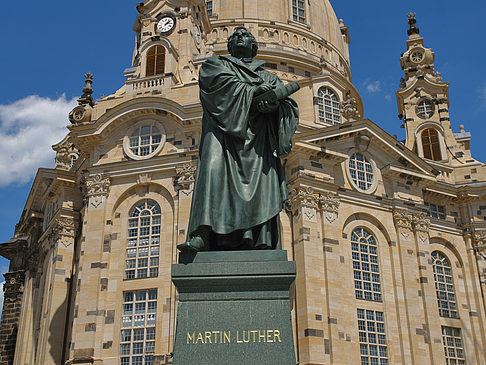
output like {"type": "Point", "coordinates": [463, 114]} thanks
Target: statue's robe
{"type": "Point", "coordinates": [240, 186]}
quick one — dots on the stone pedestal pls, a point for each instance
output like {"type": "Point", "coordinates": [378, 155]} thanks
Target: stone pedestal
{"type": "Point", "coordinates": [234, 308]}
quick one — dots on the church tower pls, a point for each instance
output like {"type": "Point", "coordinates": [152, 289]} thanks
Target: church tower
{"type": "Point", "coordinates": [423, 105]}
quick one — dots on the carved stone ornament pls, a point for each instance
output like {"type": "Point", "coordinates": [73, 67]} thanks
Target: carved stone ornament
{"type": "Point", "coordinates": [349, 109]}
{"type": "Point", "coordinates": [64, 231]}
{"type": "Point", "coordinates": [66, 155]}
{"type": "Point", "coordinates": [97, 187]}
{"type": "Point", "coordinates": [403, 222]}
{"type": "Point", "coordinates": [144, 179]}
{"type": "Point", "coordinates": [305, 199]}
{"type": "Point", "coordinates": [185, 176]}
{"type": "Point", "coordinates": [14, 285]}
{"type": "Point", "coordinates": [329, 204]}
{"type": "Point", "coordinates": [479, 243]}
{"type": "Point", "coordinates": [421, 224]}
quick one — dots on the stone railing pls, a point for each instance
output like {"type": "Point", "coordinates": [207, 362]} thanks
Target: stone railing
{"type": "Point", "coordinates": [151, 83]}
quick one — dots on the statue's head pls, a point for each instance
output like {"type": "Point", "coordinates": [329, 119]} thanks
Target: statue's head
{"type": "Point", "coordinates": [240, 40]}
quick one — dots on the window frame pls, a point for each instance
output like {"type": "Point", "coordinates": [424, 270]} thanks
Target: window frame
{"type": "Point", "coordinates": [423, 103]}
{"type": "Point", "coordinates": [372, 336]}
{"type": "Point", "coordinates": [162, 64]}
{"type": "Point", "coordinates": [360, 256]}
{"type": "Point", "coordinates": [456, 333]}
{"type": "Point", "coordinates": [433, 148]}
{"type": "Point", "coordinates": [142, 256]}
{"type": "Point", "coordinates": [137, 126]}
{"type": "Point", "coordinates": [130, 334]}
{"type": "Point", "coordinates": [321, 93]}
{"type": "Point", "coordinates": [444, 312]}
{"type": "Point", "coordinates": [375, 171]}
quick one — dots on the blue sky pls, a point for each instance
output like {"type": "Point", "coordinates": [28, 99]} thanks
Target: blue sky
{"type": "Point", "coordinates": [47, 46]}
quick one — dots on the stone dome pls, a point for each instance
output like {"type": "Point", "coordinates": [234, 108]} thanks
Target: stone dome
{"type": "Point", "coordinates": [319, 16]}
{"type": "Point", "coordinates": [305, 33]}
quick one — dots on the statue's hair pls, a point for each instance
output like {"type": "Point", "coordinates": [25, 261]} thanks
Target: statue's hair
{"type": "Point", "coordinates": [254, 44]}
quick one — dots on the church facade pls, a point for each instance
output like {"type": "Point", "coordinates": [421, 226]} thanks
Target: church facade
{"type": "Point", "coordinates": [389, 236]}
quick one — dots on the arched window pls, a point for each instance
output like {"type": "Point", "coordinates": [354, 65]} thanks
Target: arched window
{"type": "Point", "coordinates": [155, 61]}
{"type": "Point", "coordinates": [361, 171]}
{"type": "Point", "coordinates": [444, 285]}
{"type": "Point", "coordinates": [329, 108]}
{"type": "Point", "coordinates": [143, 243]}
{"type": "Point", "coordinates": [365, 265]}
{"type": "Point", "coordinates": [430, 144]}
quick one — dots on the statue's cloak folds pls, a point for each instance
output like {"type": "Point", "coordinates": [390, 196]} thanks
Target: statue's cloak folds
{"type": "Point", "coordinates": [240, 181]}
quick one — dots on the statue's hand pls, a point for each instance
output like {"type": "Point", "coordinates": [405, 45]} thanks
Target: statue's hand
{"type": "Point", "coordinates": [262, 88]}
{"type": "Point", "coordinates": [265, 107]}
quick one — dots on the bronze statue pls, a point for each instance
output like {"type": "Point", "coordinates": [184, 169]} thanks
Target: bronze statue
{"type": "Point", "coordinates": [247, 126]}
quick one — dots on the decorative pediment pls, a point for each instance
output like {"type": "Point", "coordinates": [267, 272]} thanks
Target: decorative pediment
{"type": "Point", "coordinates": [337, 140]}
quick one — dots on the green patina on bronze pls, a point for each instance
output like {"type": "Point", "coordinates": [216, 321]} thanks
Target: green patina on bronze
{"type": "Point", "coordinates": [240, 184]}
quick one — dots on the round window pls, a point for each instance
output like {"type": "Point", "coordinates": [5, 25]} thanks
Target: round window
{"type": "Point", "coordinates": [144, 140]}
{"type": "Point", "coordinates": [361, 172]}
{"type": "Point", "coordinates": [425, 108]}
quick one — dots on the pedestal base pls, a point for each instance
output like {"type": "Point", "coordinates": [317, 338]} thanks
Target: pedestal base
{"type": "Point", "coordinates": [234, 309]}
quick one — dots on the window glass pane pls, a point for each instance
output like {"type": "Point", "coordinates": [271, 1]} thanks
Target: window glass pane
{"type": "Point", "coordinates": [138, 333]}
{"type": "Point", "coordinates": [373, 347]}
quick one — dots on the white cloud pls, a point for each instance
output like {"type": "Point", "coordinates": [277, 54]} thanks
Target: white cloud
{"type": "Point", "coordinates": [388, 97]}
{"type": "Point", "coordinates": [28, 129]}
{"type": "Point", "coordinates": [373, 86]}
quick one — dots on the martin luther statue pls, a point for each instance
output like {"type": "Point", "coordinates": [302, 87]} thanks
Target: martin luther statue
{"type": "Point", "coordinates": [240, 186]}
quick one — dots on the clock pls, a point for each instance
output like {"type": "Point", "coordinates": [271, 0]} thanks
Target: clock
{"type": "Point", "coordinates": [166, 24]}
{"type": "Point", "coordinates": [197, 35]}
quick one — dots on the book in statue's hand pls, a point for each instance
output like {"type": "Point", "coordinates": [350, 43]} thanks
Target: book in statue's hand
{"type": "Point", "coordinates": [274, 95]}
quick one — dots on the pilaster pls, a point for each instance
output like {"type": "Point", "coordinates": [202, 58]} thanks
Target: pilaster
{"type": "Point", "coordinates": [406, 287]}
{"type": "Point", "coordinates": [332, 244]}
{"type": "Point", "coordinates": [90, 315]}
{"type": "Point", "coordinates": [13, 292]}
{"type": "Point", "coordinates": [310, 299]}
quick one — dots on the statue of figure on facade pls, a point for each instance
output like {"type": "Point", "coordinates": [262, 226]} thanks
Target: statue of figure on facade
{"type": "Point", "coordinates": [240, 186]}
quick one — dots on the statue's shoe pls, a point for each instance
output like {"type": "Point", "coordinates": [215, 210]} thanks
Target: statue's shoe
{"type": "Point", "coordinates": [194, 245]}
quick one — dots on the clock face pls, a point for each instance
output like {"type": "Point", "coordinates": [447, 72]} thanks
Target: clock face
{"type": "Point", "coordinates": [166, 24]}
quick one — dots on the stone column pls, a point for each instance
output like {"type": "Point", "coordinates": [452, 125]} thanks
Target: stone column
{"type": "Point", "coordinates": [13, 291]}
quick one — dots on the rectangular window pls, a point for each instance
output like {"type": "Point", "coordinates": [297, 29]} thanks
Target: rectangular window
{"type": "Point", "coordinates": [372, 337]}
{"type": "Point", "coordinates": [209, 7]}
{"type": "Point", "coordinates": [137, 339]}
{"type": "Point", "coordinates": [435, 211]}
{"type": "Point", "coordinates": [453, 347]}
{"type": "Point", "coordinates": [298, 11]}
